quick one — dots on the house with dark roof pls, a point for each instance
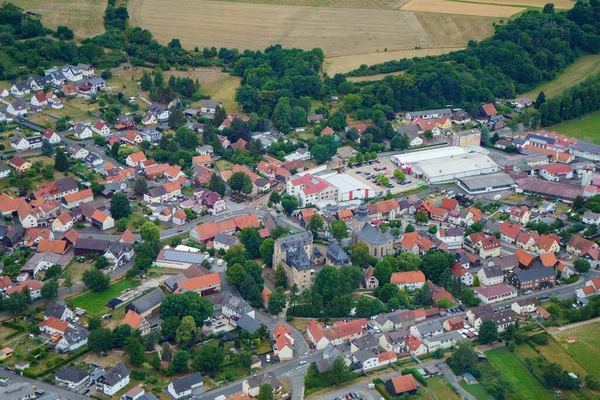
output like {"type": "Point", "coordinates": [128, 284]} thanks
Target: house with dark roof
{"type": "Point", "coordinates": [336, 256]}
{"type": "Point", "coordinates": [72, 377]}
{"type": "Point", "coordinates": [58, 310]}
{"type": "Point", "coordinates": [186, 386]}
{"type": "Point", "coordinates": [85, 246]}
{"type": "Point", "coordinates": [535, 278]}
{"type": "Point", "coordinates": [251, 385]}
{"type": "Point", "coordinates": [149, 302]}
{"type": "Point", "coordinates": [113, 380]}
{"type": "Point", "coordinates": [294, 252]}
{"type": "Point", "coordinates": [74, 338]}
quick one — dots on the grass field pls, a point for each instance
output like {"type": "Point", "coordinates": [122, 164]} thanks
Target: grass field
{"type": "Point", "coordinates": [364, 4]}
{"type": "Point", "coordinates": [451, 7]}
{"type": "Point", "coordinates": [442, 389]}
{"type": "Point", "coordinates": [575, 73]}
{"type": "Point", "coordinates": [476, 390]}
{"type": "Point", "coordinates": [585, 128]}
{"type": "Point", "coordinates": [447, 30]}
{"type": "Point", "coordinates": [586, 348]}
{"type": "Point", "coordinates": [226, 94]}
{"type": "Point", "coordinates": [84, 17]}
{"type": "Point", "coordinates": [95, 303]}
{"type": "Point", "coordinates": [524, 384]}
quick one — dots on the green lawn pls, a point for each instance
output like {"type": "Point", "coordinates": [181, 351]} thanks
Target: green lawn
{"type": "Point", "coordinates": [511, 369]}
{"type": "Point", "coordinates": [584, 129]}
{"type": "Point", "coordinates": [95, 303]}
{"type": "Point", "coordinates": [586, 348]}
{"type": "Point", "coordinates": [476, 390]}
{"type": "Point", "coordinates": [442, 389]}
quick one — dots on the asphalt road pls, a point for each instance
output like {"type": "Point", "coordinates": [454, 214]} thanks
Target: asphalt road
{"type": "Point", "coordinates": [279, 370]}
{"type": "Point", "coordinates": [46, 387]}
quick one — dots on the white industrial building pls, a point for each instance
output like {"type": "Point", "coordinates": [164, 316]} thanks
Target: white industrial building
{"type": "Point", "coordinates": [350, 188]}
{"type": "Point", "coordinates": [425, 155]}
{"type": "Point", "coordinates": [445, 169]}
{"type": "Point", "coordinates": [488, 183]}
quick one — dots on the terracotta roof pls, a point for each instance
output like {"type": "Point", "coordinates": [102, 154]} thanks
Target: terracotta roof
{"type": "Point", "coordinates": [132, 319]}
{"type": "Point", "coordinates": [510, 229]}
{"type": "Point", "coordinates": [458, 270]}
{"type": "Point", "coordinates": [489, 109]}
{"type": "Point", "coordinates": [449, 204]}
{"type": "Point", "coordinates": [72, 235]}
{"type": "Point", "coordinates": [55, 323]}
{"type": "Point", "coordinates": [407, 277]}
{"type": "Point", "coordinates": [413, 343]}
{"type": "Point", "coordinates": [264, 233]}
{"type": "Point", "coordinates": [52, 246]}
{"type": "Point", "coordinates": [70, 198]}
{"type": "Point", "coordinates": [404, 383]}
{"type": "Point", "coordinates": [524, 257]}
{"type": "Point", "coordinates": [17, 161]}
{"type": "Point", "coordinates": [342, 329]}
{"type": "Point", "coordinates": [385, 206]}
{"type": "Point", "coordinates": [31, 284]}
{"type": "Point", "coordinates": [556, 168]}
{"type": "Point", "coordinates": [199, 282]}
{"type": "Point", "coordinates": [265, 294]}
{"type": "Point", "coordinates": [64, 218]}
{"type": "Point", "coordinates": [315, 329]}
{"type": "Point", "coordinates": [419, 313]}
{"type": "Point", "coordinates": [546, 241]}
{"type": "Point", "coordinates": [246, 220]}
{"type": "Point", "coordinates": [387, 356]}
{"type": "Point", "coordinates": [137, 157]}
{"type": "Point", "coordinates": [7, 203]}
{"type": "Point", "coordinates": [344, 214]}
{"type": "Point", "coordinates": [327, 131]}
{"type": "Point", "coordinates": [180, 214]}
{"type": "Point", "coordinates": [201, 159]}
{"type": "Point", "coordinates": [580, 243]}
{"type": "Point", "coordinates": [172, 186]}
{"type": "Point", "coordinates": [207, 230]}
{"type": "Point", "coordinates": [127, 236]}
{"type": "Point", "coordinates": [548, 259]}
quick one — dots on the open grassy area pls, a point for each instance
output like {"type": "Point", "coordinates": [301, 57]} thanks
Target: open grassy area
{"type": "Point", "coordinates": [476, 390]}
{"type": "Point", "coordinates": [76, 269]}
{"type": "Point", "coordinates": [226, 94]}
{"type": "Point", "coordinates": [84, 17]}
{"type": "Point", "coordinates": [584, 128]}
{"type": "Point", "coordinates": [511, 369]}
{"type": "Point", "coordinates": [442, 389]}
{"type": "Point", "coordinates": [580, 70]}
{"type": "Point", "coordinates": [95, 303]}
{"type": "Point", "coordinates": [586, 348]}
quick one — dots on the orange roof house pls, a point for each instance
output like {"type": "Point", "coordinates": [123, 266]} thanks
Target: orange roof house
{"type": "Point", "coordinates": [524, 258]}
{"type": "Point", "coordinates": [133, 319]}
{"type": "Point", "coordinates": [265, 295]}
{"type": "Point", "coordinates": [52, 246]}
{"type": "Point", "coordinates": [200, 283]}
{"type": "Point", "coordinates": [402, 384]}
{"type": "Point", "coordinates": [400, 278]}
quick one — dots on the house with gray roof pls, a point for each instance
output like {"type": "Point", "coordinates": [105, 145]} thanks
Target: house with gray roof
{"type": "Point", "coordinates": [295, 253]}
{"type": "Point", "coordinates": [426, 329]}
{"type": "Point", "coordinates": [367, 342]}
{"type": "Point", "coordinates": [248, 324]}
{"type": "Point", "coordinates": [74, 338]}
{"type": "Point", "coordinates": [72, 377]}
{"type": "Point", "coordinates": [17, 391]}
{"type": "Point", "coordinates": [234, 307]}
{"type": "Point", "coordinates": [443, 341]}
{"type": "Point", "coordinates": [179, 259]}
{"type": "Point", "coordinates": [251, 385]}
{"type": "Point", "coordinates": [113, 380]}
{"type": "Point", "coordinates": [186, 386]}
{"type": "Point", "coordinates": [149, 302]}
{"type": "Point", "coordinates": [58, 310]}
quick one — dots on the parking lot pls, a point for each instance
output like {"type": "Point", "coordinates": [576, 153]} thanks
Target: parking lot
{"type": "Point", "coordinates": [386, 167]}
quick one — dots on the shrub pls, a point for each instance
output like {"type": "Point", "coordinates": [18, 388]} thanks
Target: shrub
{"type": "Point", "coordinates": [540, 339]}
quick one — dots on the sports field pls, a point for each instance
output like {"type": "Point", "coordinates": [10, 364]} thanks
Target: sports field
{"type": "Point", "coordinates": [84, 17]}
{"type": "Point", "coordinates": [511, 369]}
{"type": "Point", "coordinates": [584, 128]}
{"type": "Point", "coordinates": [580, 70]}
{"type": "Point", "coordinates": [586, 348]}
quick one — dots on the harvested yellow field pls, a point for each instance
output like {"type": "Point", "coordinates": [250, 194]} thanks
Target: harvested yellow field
{"type": "Point", "coordinates": [455, 7]}
{"type": "Point", "coordinates": [561, 4]}
{"type": "Point", "coordinates": [365, 4]}
{"type": "Point", "coordinates": [346, 63]}
{"type": "Point", "coordinates": [256, 26]}
{"type": "Point", "coordinates": [84, 17]}
{"type": "Point", "coordinates": [575, 73]}
{"type": "Point", "coordinates": [455, 30]}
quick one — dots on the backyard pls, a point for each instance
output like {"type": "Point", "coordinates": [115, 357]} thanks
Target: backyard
{"type": "Point", "coordinates": [95, 302]}
{"type": "Point", "coordinates": [511, 369]}
{"type": "Point", "coordinates": [476, 390]}
{"type": "Point", "coordinates": [586, 348]}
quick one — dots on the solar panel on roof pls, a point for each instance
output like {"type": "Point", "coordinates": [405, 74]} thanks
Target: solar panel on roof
{"type": "Point", "coordinates": [184, 256]}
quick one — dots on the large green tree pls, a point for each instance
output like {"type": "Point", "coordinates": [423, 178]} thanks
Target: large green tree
{"type": "Point", "coordinates": [251, 240]}
{"type": "Point", "coordinates": [208, 358]}
{"type": "Point", "coordinates": [339, 230]}
{"type": "Point", "coordinates": [240, 182]}
{"type": "Point", "coordinates": [95, 280]}
{"type": "Point", "coordinates": [488, 332]}
{"type": "Point", "coordinates": [120, 206]}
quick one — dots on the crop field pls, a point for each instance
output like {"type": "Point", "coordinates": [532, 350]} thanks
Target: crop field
{"type": "Point", "coordinates": [560, 4]}
{"type": "Point", "coordinates": [84, 17]}
{"type": "Point", "coordinates": [586, 348]}
{"type": "Point", "coordinates": [364, 4]}
{"type": "Point", "coordinates": [580, 70]}
{"type": "Point", "coordinates": [511, 369]}
{"type": "Point", "coordinates": [345, 63]}
{"type": "Point", "coordinates": [256, 26]}
{"type": "Point", "coordinates": [584, 128]}
{"type": "Point", "coordinates": [447, 30]}
{"type": "Point", "coordinates": [454, 7]}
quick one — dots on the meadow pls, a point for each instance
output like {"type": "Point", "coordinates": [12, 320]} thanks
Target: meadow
{"type": "Point", "coordinates": [95, 302]}
{"type": "Point", "coordinates": [584, 128]}
{"type": "Point", "coordinates": [586, 348]}
{"type": "Point", "coordinates": [511, 369]}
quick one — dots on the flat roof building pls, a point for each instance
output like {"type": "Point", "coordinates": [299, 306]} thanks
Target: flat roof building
{"type": "Point", "coordinates": [448, 168]}
{"type": "Point", "coordinates": [487, 183]}
{"type": "Point", "coordinates": [350, 188]}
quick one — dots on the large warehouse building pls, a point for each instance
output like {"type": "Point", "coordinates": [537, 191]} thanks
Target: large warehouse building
{"type": "Point", "coordinates": [487, 183]}
{"type": "Point", "coordinates": [350, 188]}
{"type": "Point", "coordinates": [445, 169]}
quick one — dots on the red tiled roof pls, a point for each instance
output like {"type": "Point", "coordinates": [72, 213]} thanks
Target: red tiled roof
{"type": "Point", "coordinates": [199, 282]}
{"type": "Point", "coordinates": [55, 323]}
{"type": "Point", "coordinates": [132, 319]}
{"type": "Point", "coordinates": [407, 277]}
{"type": "Point", "coordinates": [405, 383]}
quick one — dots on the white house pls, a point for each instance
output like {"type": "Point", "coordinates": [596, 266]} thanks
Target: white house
{"type": "Point", "coordinates": [51, 136]}
{"type": "Point", "coordinates": [314, 331]}
{"type": "Point", "coordinates": [77, 152]}
{"type": "Point", "coordinates": [113, 380]}
{"type": "Point", "coordinates": [39, 99]}
{"type": "Point", "coordinates": [58, 310]}
{"type": "Point", "coordinates": [410, 280]}
{"type": "Point", "coordinates": [73, 339]}
{"type": "Point", "coordinates": [462, 273]}
{"type": "Point", "coordinates": [20, 89]}
{"type": "Point", "coordinates": [20, 143]}
{"type": "Point", "coordinates": [82, 131]}
{"type": "Point", "coordinates": [72, 73]}
{"type": "Point", "coordinates": [62, 223]}
{"type": "Point", "coordinates": [443, 341]}
{"type": "Point", "coordinates": [17, 108]}
{"type": "Point", "coordinates": [183, 387]}
{"type": "Point", "coordinates": [134, 159]}
{"type": "Point", "coordinates": [101, 128]}
{"type": "Point", "coordinates": [525, 306]}
{"type": "Point", "coordinates": [490, 275]}
{"type": "Point", "coordinates": [72, 377]}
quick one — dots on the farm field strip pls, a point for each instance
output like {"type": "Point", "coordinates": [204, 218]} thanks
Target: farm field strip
{"type": "Point", "coordinates": [244, 26]}
{"type": "Point", "coordinates": [559, 4]}
{"type": "Point", "coordinates": [511, 369]}
{"type": "Point", "coordinates": [586, 348]}
{"type": "Point", "coordinates": [452, 7]}
{"type": "Point", "coordinates": [84, 17]}
{"type": "Point", "coordinates": [580, 70]}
